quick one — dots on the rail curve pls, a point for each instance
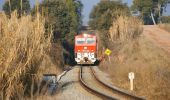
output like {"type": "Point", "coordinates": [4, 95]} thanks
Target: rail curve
{"type": "Point", "coordinates": [103, 90]}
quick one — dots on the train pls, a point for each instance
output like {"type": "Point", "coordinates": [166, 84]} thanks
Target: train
{"type": "Point", "coordinates": [85, 48]}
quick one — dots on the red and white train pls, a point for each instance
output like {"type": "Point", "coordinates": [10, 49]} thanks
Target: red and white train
{"type": "Point", "coordinates": [85, 49]}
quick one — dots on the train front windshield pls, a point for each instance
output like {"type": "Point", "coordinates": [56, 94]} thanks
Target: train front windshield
{"type": "Point", "coordinates": [80, 40]}
{"type": "Point", "coordinates": [90, 40]}
{"type": "Point", "coordinates": [85, 41]}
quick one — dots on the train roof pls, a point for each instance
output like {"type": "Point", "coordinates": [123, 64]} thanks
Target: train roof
{"type": "Point", "coordinates": [85, 35]}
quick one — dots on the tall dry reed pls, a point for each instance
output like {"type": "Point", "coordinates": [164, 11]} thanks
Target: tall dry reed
{"type": "Point", "coordinates": [125, 28]}
{"type": "Point", "coordinates": [22, 47]}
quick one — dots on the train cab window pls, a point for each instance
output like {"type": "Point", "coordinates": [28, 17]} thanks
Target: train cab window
{"type": "Point", "coordinates": [90, 40]}
{"type": "Point", "coordinates": [80, 40]}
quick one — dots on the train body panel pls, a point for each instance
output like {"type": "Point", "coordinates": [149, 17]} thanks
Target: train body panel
{"type": "Point", "coordinates": [85, 49]}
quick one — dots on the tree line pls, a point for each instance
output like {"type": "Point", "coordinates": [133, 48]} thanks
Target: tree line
{"type": "Point", "coordinates": [64, 16]}
{"type": "Point", "coordinates": [65, 19]}
{"type": "Point", "coordinates": [151, 11]}
{"type": "Point", "coordinates": [105, 12]}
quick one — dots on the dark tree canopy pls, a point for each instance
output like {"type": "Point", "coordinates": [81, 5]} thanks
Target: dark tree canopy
{"type": "Point", "coordinates": [64, 16]}
{"type": "Point", "coordinates": [105, 12]}
{"type": "Point", "coordinates": [149, 7]}
{"type": "Point", "coordinates": [16, 5]}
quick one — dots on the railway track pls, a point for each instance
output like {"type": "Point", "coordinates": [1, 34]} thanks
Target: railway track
{"type": "Point", "coordinates": [92, 83]}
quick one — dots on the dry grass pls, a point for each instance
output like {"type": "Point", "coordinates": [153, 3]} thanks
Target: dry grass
{"type": "Point", "coordinates": [125, 28]}
{"type": "Point", "coordinates": [23, 46]}
{"type": "Point", "coordinates": [149, 63]}
{"type": "Point", "coordinates": [165, 27]}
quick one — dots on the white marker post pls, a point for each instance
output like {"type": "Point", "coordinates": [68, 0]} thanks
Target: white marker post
{"type": "Point", "coordinates": [131, 77]}
{"type": "Point", "coordinates": [109, 59]}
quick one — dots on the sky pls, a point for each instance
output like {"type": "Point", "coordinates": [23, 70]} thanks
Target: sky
{"type": "Point", "coordinates": [88, 6]}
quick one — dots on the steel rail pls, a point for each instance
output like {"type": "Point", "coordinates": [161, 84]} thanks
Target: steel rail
{"type": "Point", "coordinates": [114, 88]}
{"type": "Point", "coordinates": [100, 94]}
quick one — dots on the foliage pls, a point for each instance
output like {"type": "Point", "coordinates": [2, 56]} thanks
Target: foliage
{"type": "Point", "coordinates": [64, 16]}
{"type": "Point", "coordinates": [105, 12]}
{"type": "Point", "coordinates": [11, 5]}
{"type": "Point", "coordinates": [146, 7]}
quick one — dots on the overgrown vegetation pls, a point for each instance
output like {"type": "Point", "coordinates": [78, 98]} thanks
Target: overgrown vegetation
{"type": "Point", "coordinates": [149, 63]}
{"type": "Point", "coordinates": [132, 52]}
{"type": "Point", "coordinates": [125, 28]}
{"type": "Point", "coordinates": [23, 46]}
{"type": "Point", "coordinates": [64, 16]}
{"type": "Point", "coordinates": [33, 45]}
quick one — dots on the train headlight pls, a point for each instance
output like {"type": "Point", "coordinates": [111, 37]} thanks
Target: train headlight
{"type": "Point", "coordinates": [78, 55]}
{"type": "Point", "coordinates": [85, 35]}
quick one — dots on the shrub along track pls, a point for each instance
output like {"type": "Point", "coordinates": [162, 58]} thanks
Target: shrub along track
{"type": "Point", "coordinates": [92, 83]}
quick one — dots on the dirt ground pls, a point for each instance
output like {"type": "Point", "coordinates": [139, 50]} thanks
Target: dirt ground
{"type": "Point", "coordinates": [158, 36]}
